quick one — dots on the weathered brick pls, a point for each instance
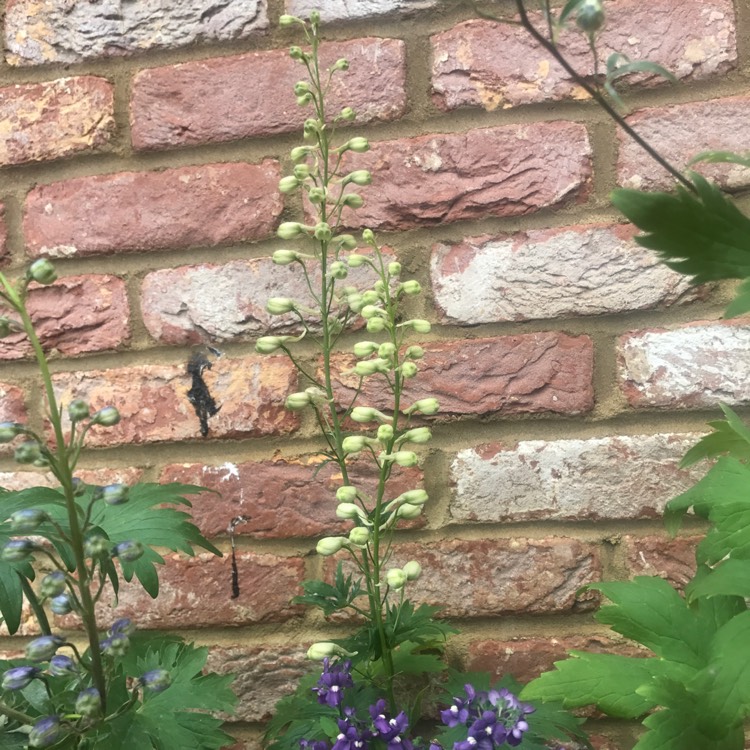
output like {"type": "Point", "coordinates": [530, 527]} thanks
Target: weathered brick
{"type": "Point", "coordinates": [624, 477]}
{"type": "Point", "coordinates": [196, 592]}
{"type": "Point", "coordinates": [75, 315]}
{"type": "Point", "coordinates": [134, 211]}
{"type": "Point", "coordinates": [444, 177]}
{"type": "Point", "coordinates": [262, 675]}
{"type": "Point", "coordinates": [210, 101]}
{"type": "Point", "coordinates": [527, 373]}
{"type": "Point", "coordinates": [527, 658]}
{"type": "Point", "coordinates": [12, 403]}
{"type": "Point", "coordinates": [4, 249]}
{"type": "Point", "coordinates": [347, 10]}
{"type": "Point", "coordinates": [281, 499]}
{"type": "Point", "coordinates": [700, 364]}
{"type": "Point", "coordinates": [154, 406]}
{"type": "Point", "coordinates": [23, 480]}
{"type": "Point", "coordinates": [55, 119]}
{"type": "Point", "coordinates": [474, 578]}
{"type": "Point", "coordinates": [673, 559]}
{"type": "Point", "coordinates": [681, 132]}
{"type": "Point", "coordinates": [203, 303]}
{"type": "Point", "coordinates": [57, 31]}
{"type": "Point", "coordinates": [487, 64]}
{"type": "Point", "coordinates": [551, 273]}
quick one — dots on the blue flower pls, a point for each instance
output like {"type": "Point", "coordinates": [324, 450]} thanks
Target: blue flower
{"type": "Point", "coordinates": [44, 647]}
{"type": "Point", "coordinates": [390, 730]}
{"type": "Point", "coordinates": [332, 681]}
{"type": "Point", "coordinates": [19, 677]}
{"type": "Point", "coordinates": [45, 732]}
{"type": "Point", "coordinates": [351, 738]}
{"type": "Point", "coordinates": [61, 666]}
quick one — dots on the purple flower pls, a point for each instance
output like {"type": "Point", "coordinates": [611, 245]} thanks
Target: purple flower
{"type": "Point", "coordinates": [458, 713]}
{"type": "Point", "coordinates": [332, 682]}
{"type": "Point", "coordinates": [45, 732]}
{"type": "Point", "coordinates": [351, 738]}
{"type": "Point", "coordinates": [123, 626]}
{"type": "Point", "coordinates": [44, 647]}
{"type": "Point", "coordinates": [157, 680]}
{"type": "Point", "coordinates": [389, 730]}
{"type": "Point", "coordinates": [19, 677]}
{"type": "Point", "coordinates": [313, 745]}
{"type": "Point", "coordinates": [61, 666]}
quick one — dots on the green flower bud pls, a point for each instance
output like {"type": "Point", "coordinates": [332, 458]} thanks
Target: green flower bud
{"type": "Point", "coordinates": [409, 369]}
{"type": "Point", "coordinates": [96, 545]}
{"type": "Point", "coordinates": [368, 367]}
{"type": "Point", "coordinates": [355, 260]}
{"type": "Point", "coordinates": [386, 350]}
{"type": "Point", "coordinates": [371, 311]}
{"type": "Point", "coordinates": [301, 171]}
{"type": "Point", "coordinates": [301, 88]}
{"type": "Point", "coordinates": [27, 520]}
{"type": "Point", "coordinates": [310, 128]}
{"type": "Point", "coordinates": [405, 458]}
{"type": "Point", "coordinates": [347, 114]}
{"type": "Point", "coordinates": [44, 647]}
{"type": "Point", "coordinates": [315, 17]}
{"type": "Point", "coordinates": [357, 144]}
{"type": "Point", "coordinates": [413, 570]}
{"type": "Point", "coordinates": [590, 17]}
{"type": "Point", "coordinates": [78, 409]}
{"type": "Point", "coordinates": [268, 344]}
{"type": "Point", "coordinates": [304, 100]}
{"type": "Point", "coordinates": [129, 551]}
{"type": "Point", "coordinates": [317, 195]}
{"type": "Point", "coordinates": [420, 326]}
{"type": "Point", "coordinates": [370, 297]}
{"type": "Point", "coordinates": [285, 257]}
{"type": "Point", "coordinates": [379, 287]}
{"type": "Point", "coordinates": [42, 271]}
{"type": "Point", "coordinates": [375, 325]}
{"type": "Point", "coordinates": [299, 152]}
{"type": "Point", "coordinates": [9, 431]}
{"type": "Point", "coordinates": [290, 230]}
{"type": "Point", "coordinates": [322, 650]}
{"type": "Point", "coordinates": [346, 494]}
{"type": "Point", "coordinates": [394, 268]}
{"type": "Point", "coordinates": [288, 184]}
{"type": "Point", "coordinates": [396, 578]}
{"type": "Point", "coordinates": [28, 452]}
{"type": "Point", "coordinates": [62, 604]}
{"type": "Point", "coordinates": [354, 443]}
{"type": "Point", "coordinates": [53, 584]}
{"type": "Point", "coordinates": [385, 433]}
{"type": "Point", "coordinates": [368, 236]}
{"type": "Point", "coordinates": [348, 511]}
{"type": "Point", "coordinates": [414, 352]}
{"type": "Point", "coordinates": [414, 497]}
{"type": "Point", "coordinates": [365, 348]}
{"type": "Point", "coordinates": [339, 270]}
{"type": "Point", "coordinates": [409, 511]}
{"type": "Point", "coordinates": [359, 536]}
{"type": "Point", "coordinates": [341, 64]}
{"type": "Point", "coordinates": [330, 545]}
{"type": "Point", "coordinates": [115, 494]}
{"type": "Point", "coordinates": [412, 286]}
{"type": "Point", "coordinates": [89, 702]}
{"type": "Point", "coordinates": [364, 414]}
{"type": "Point", "coordinates": [280, 305]}
{"type": "Point", "coordinates": [419, 435]}
{"type": "Point", "coordinates": [355, 302]}
{"type": "Point", "coordinates": [352, 200]}
{"type": "Point", "coordinates": [323, 232]}
{"type": "Point", "coordinates": [359, 177]}
{"type": "Point", "coordinates": [108, 416]}
{"type": "Point", "coordinates": [297, 401]}
{"type": "Point", "coordinates": [287, 20]}
{"type": "Point", "coordinates": [346, 241]}
{"type": "Point", "coordinates": [17, 550]}
{"type": "Point", "coordinates": [317, 395]}
{"type": "Point", "coordinates": [296, 53]}
{"type": "Point", "coordinates": [427, 406]}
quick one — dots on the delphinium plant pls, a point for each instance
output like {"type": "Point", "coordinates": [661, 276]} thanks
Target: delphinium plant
{"type": "Point", "coordinates": [692, 690]}
{"type": "Point", "coordinates": [375, 681]}
{"type": "Point", "coordinates": [63, 551]}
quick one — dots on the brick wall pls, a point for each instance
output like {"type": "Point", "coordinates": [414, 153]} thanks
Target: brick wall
{"type": "Point", "coordinates": [141, 146]}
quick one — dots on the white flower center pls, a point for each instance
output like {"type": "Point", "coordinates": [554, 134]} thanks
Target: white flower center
{"type": "Point", "coordinates": [454, 709]}
{"type": "Point", "coordinates": [334, 688]}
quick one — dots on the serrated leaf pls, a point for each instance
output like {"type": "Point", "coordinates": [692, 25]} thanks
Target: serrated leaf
{"type": "Point", "coordinates": [731, 436]}
{"type": "Point", "coordinates": [649, 611]}
{"type": "Point", "coordinates": [731, 578]}
{"type": "Point", "coordinates": [608, 681]}
{"type": "Point", "coordinates": [702, 235]}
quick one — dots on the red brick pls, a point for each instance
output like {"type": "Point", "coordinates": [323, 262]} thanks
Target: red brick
{"type": "Point", "coordinates": [54, 119]}
{"type": "Point", "coordinates": [552, 273]}
{"type": "Point", "coordinates": [486, 64]}
{"type": "Point", "coordinates": [75, 315]}
{"type": "Point", "coordinates": [445, 177]}
{"type": "Point", "coordinates": [280, 498]}
{"type": "Point", "coordinates": [209, 303]}
{"type": "Point", "coordinates": [615, 478]}
{"type": "Point", "coordinates": [57, 31]}
{"type": "Point", "coordinates": [348, 10]}
{"type": "Point", "coordinates": [153, 403]}
{"type": "Point", "coordinates": [673, 559]}
{"type": "Point", "coordinates": [210, 100]}
{"type": "Point", "coordinates": [22, 480]}
{"type": "Point", "coordinates": [527, 373]}
{"type": "Point", "coordinates": [12, 404]}
{"type": "Point", "coordinates": [262, 675]}
{"type": "Point", "coordinates": [475, 578]}
{"type": "Point", "coordinates": [527, 658]}
{"type": "Point", "coordinates": [196, 592]}
{"type": "Point", "coordinates": [700, 364]}
{"type": "Point", "coordinates": [681, 132]}
{"type": "Point", "coordinates": [211, 205]}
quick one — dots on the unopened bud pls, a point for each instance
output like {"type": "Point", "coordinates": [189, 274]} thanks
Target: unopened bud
{"type": "Point", "coordinates": [355, 260]}
{"type": "Point", "coordinates": [367, 414]}
{"type": "Point", "coordinates": [427, 406]}
{"type": "Point", "coordinates": [368, 236]}
{"type": "Point", "coordinates": [42, 271]}
{"type": "Point", "coordinates": [268, 344]}
{"type": "Point", "coordinates": [297, 401]}
{"type": "Point", "coordinates": [44, 647]}
{"type": "Point", "coordinates": [296, 53]}
{"type": "Point", "coordinates": [409, 511]}
{"type": "Point", "coordinates": [368, 367]}
{"type": "Point", "coordinates": [352, 200]}
{"type": "Point", "coordinates": [290, 230]}
{"type": "Point", "coordinates": [385, 433]}
{"type": "Point", "coordinates": [330, 545]}
{"type": "Point", "coordinates": [412, 286]}
{"type": "Point", "coordinates": [338, 270]}
{"type": "Point", "coordinates": [316, 195]}
{"type": "Point", "coordinates": [355, 302]}
{"type": "Point", "coordinates": [287, 20]}
{"type": "Point", "coordinates": [346, 241]}
{"type": "Point", "coordinates": [62, 604]}
{"type": "Point", "coordinates": [419, 325]}
{"type": "Point", "coordinates": [387, 349]}
{"type": "Point", "coordinates": [53, 584]}
{"type": "Point", "coordinates": [341, 64]}
{"type": "Point", "coordinates": [9, 431]}
{"type": "Point", "coordinates": [78, 409]}
{"type": "Point", "coordinates": [27, 520]}
{"type": "Point", "coordinates": [365, 348]}
{"type": "Point", "coordinates": [299, 152]}
{"type": "Point", "coordinates": [375, 325]}
{"type": "Point", "coordinates": [108, 416]}
{"type": "Point", "coordinates": [405, 458]}
{"type": "Point", "coordinates": [322, 232]}
{"type": "Point", "coordinates": [359, 536]}
{"type": "Point", "coordinates": [348, 511]}
{"type": "Point", "coordinates": [354, 443]}
{"type": "Point", "coordinates": [323, 650]}
{"type": "Point", "coordinates": [358, 144]}
{"type": "Point", "coordinates": [156, 680]}
{"type": "Point", "coordinates": [28, 452]}
{"type": "Point", "coordinates": [590, 17]}
{"type": "Point", "coordinates": [129, 551]}
{"type": "Point", "coordinates": [394, 268]}
{"type": "Point", "coordinates": [288, 184]}
{"type": "Point", "coordinates": [419, 435]}
{"type": "Point", "coordinates": [115, 494]}
{"type": "Point", "coordinates": [396, 578]}
{"type": "Point", "coordinates": [96, 545]}
{"type": "Point", "coordinates": [359, 177]}
{"type": "Point", "coordinates": [301, 88]}
{"type": "Point", "coordinates": [346, 494]}
{"type": "Point", "coordinates": [414, 352]}
{"type": "Point", "coordinates": [280, 305]}
{"type": "Point", "coordinates": [17, 550]}
{"type": "Point", "coordinates": [409, 369]}
{"type": "Point", "coordinates": [348, 114]}
{"type": "Point", "coordinates": [413, 570]}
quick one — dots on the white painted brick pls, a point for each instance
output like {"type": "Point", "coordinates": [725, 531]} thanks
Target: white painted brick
{"type": "Point", "coordinates": [346, 10]}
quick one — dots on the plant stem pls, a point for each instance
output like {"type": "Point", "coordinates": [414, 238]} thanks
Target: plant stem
{"type": "Point", "coordinates": [33, 600]}
{"type": "Point", "coordinates": [18, 716]}
{"type": "Point", "coordinates": [88, 615]}
{"type": "Point", "coordinates": [601, 100]}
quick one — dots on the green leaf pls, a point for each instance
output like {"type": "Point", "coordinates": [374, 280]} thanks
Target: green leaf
{"type": "Point", "coordinates": [649, 611]}
{"type": "Point", "coordinates": [731, 578]}
{"type": "Point", "coordinates": [608, 681]}
{"type": "Point", "coordinates": [740, 305]}
{"type": "Point", "coordinates": [330, 598]}
{"type": "Point", "coordinates": [570, 7]}
{"type": "Point", "coordinates": [730, 436]}
{"type": "Point", "coordinates": [701, 235]}
{"type": "Point", "coordinates": [715, 157]}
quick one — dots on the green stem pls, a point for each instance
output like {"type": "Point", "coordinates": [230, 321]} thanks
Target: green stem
{"type": "Point", "coordinates": [18, 716]}
{"type": "Point", "coordinates": [599, 99]}
{"type": "Point", "coordinates": [36, 607]}
{"type": "Point", "coordinates": [65, 474]}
